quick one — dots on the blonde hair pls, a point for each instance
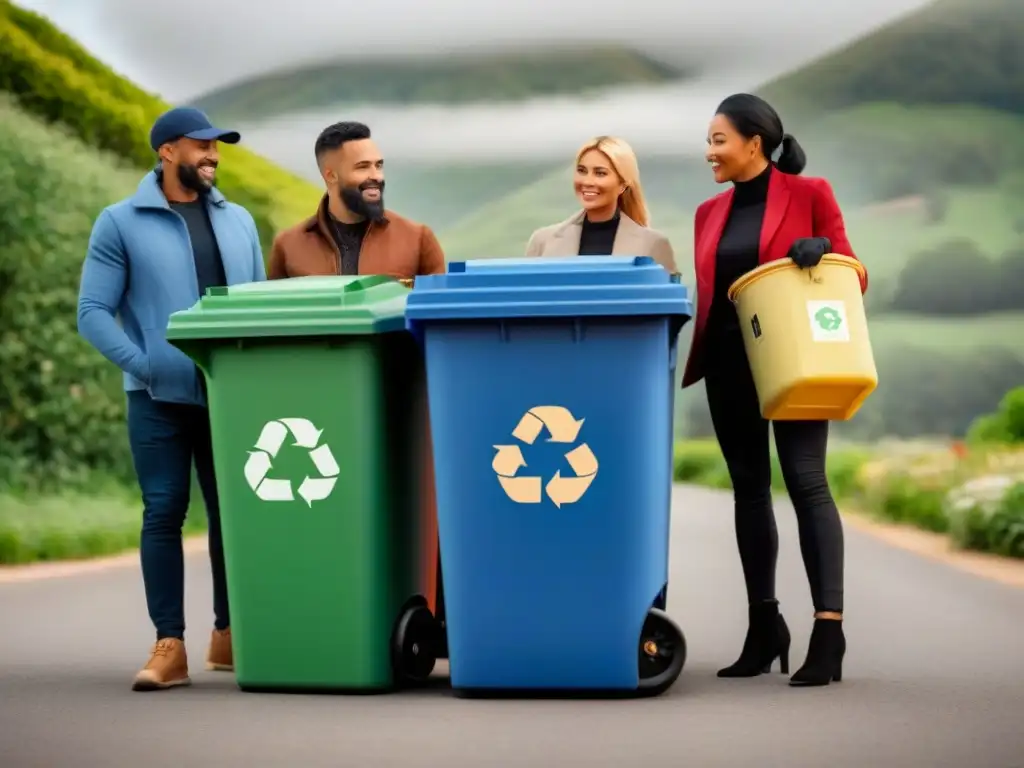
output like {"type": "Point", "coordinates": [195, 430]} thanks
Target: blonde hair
{"type": "Point", "coordinates": [624, 163]}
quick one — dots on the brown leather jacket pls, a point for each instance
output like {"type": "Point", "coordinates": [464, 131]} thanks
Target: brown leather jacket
{"type": "Point", "coordinates": [395, 246]}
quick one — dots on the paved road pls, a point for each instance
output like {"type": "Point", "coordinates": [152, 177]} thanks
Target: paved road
{"type": "Point", "coordinates": [934, 677]}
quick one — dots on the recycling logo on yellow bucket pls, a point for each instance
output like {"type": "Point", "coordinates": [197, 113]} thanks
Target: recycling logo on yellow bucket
{"type": "Point", "coordinates": [828, 321]}
{"type": "Point", "coordinates": [562, 427]}
{"type": "Point", "coordinates": [261, 459]}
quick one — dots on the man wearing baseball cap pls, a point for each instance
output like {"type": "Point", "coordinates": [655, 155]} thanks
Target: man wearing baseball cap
{"type": "Point", "coordinates": [150, 255]}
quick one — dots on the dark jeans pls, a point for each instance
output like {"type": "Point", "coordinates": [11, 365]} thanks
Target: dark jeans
{"type": "Point", "coordinates": [165, 440]}
{"type": "Point", "coordinates": [743, 436]}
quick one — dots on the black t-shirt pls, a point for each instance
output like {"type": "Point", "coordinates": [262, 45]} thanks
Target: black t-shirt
{"type": "Point", "coordinates": [205, 251]}
{"type": "Point", "coordinates": [598, 237]}
{"type": "Point", "coordinates": [349, 239]}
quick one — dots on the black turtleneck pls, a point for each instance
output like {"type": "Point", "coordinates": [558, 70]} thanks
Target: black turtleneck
{"type": "Point", "coordinates": [739, 246]}
{"type": "Point", "coordinates": [598, 237]}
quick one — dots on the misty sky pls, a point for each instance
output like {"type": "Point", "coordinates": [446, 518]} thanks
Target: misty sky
{"type": "Point", "coordinates": [186, 47]}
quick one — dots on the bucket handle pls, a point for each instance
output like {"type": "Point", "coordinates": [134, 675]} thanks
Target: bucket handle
{"type": "Point", "coordinates": [812, 274]}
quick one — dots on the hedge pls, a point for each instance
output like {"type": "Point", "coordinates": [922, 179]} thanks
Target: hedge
{"type": "Point", "coordinates": [54, 78]}
{"type": "Point", "coordinates": [975, 497]}
{"type": "Point", "coordinates": [61, 403]}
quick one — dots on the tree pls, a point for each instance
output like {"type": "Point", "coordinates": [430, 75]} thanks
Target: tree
{"type": "Point", "coordinates": [955, 278]}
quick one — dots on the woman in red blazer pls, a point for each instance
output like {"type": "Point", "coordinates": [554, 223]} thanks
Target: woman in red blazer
{"type": "Point", "coordinates": [769, 213]}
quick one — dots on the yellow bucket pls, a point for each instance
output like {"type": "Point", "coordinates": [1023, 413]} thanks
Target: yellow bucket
{"type": "Point", "coordinates": [806, 337]}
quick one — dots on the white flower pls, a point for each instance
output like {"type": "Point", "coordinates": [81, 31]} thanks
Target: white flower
{"type": "Point", "coordinates": [984, 493]}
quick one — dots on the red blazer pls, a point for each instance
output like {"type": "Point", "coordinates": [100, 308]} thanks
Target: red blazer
{"type": "Point", "coordinates": [797, 206]}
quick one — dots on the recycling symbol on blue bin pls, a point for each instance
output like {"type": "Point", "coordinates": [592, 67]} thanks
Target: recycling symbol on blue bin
{"type": "Point", "coordinates": [562, 427]}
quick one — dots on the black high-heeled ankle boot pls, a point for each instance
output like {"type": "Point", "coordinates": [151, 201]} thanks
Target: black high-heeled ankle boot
{"type": "Point", "coordinates": [767, 639]}
{"type": "Point", "coordinates": [825, 652]}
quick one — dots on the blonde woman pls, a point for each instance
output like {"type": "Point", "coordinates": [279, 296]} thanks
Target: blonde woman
{"type": "Point", "coordinates": [614, 218]}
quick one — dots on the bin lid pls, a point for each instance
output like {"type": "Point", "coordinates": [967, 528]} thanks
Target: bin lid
{"type": "Point", "coordinates": [298, 306]}
{"type": "Point", "coordinates": [575, 286]}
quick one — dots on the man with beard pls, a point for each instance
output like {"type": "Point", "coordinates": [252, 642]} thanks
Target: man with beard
{"type": "Point", "coordinates": [351, 234]}
{"type": "Point", "coordinates": [149, 255]}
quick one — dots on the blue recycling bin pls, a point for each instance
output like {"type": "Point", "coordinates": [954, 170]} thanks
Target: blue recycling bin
{"type": "Point", "coordinates": [551, 390]}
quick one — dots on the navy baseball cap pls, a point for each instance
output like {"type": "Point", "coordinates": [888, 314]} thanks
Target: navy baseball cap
{"type": "Point", "coordinates": [187, 122]}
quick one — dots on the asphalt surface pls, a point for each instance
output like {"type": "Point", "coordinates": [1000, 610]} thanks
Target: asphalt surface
{"type": "Point", "coordinates": [934, 677]}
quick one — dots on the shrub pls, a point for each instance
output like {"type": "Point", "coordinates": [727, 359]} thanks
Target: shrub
{"type": "Point", "coordinates": [987, 514]}
{"type": "Point", "coordinates": [61, 403]}
{"type": "Point", "coordinates": [904, 501]}
{"type": "Point", "coordinates": [1005, 425]}
{"type": "Point", "coordinates": [955, 278]}
{"type": "Point", "coordinates": [1006, 528]}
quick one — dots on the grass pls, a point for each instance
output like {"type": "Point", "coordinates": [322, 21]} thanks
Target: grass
{"type": "Point", "coordinates": [75, 526]}
{"type": "Point", "coordinates": [949, 335]}
{"type": "Point", "coordinates": [885, 240]}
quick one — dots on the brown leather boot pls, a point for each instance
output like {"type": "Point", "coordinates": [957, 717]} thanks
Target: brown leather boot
{"type": "Point", "coordinates": [220, 656]}
{"type": "Point", "coordinates": [167, 667]}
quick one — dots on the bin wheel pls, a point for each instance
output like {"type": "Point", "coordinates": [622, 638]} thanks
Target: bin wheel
{"type": "Point", "coordinates": [414, 648]}
{"type": "Point", "coordinates": [662, 653]}
{"type": "Point", "coordinates": [442, 640]}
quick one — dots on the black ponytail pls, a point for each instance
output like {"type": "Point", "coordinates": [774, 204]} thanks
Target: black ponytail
{"type": "Point", "coordinates": [792, 159]}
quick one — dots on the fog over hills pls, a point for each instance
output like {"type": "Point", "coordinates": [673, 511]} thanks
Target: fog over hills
{"type": "Point", "coordinates": [191, 46]}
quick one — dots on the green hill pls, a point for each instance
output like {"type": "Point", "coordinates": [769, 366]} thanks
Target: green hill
{"type": "Point", "coordinates": [950, 52]}
{"type": "Point", "coordinates": [506, 76]}
{"type": "Point", "coordinates": [54, 78]}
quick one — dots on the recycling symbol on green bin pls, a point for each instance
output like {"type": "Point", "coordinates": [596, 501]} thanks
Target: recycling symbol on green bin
{"type": "Point", "coordinates": [304, 435]}
{"type": "Point", "coordinates": [828, 318]}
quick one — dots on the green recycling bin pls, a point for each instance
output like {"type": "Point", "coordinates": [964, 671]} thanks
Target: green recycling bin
{"type": "Point", "coordinates": [318, 416]}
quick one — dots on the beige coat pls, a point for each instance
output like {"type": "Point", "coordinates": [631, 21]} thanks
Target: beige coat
{"type": "Point", "coordinates": [631, 239]}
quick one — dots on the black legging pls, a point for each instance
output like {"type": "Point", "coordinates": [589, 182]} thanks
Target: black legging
{"type": "Point", "coordinates": [743, 436]}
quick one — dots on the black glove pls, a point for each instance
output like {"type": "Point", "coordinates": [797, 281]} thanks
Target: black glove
{"type": "Point", "coordinates": [807, 251]}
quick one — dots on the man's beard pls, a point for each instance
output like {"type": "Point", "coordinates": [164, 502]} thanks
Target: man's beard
{"type": "Point", "coordinates": [189, 177]}
{"type": "Point", "coordinates": [353, 199]}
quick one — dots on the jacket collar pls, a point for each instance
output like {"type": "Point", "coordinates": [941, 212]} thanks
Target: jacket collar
{"type": "Point", "coordinates": [149, 193]}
